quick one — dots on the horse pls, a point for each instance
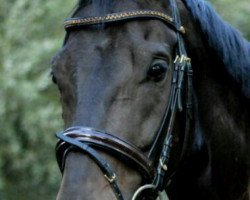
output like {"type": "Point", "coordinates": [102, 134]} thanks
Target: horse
{"type": "Point", "coordinates": [155, 97]}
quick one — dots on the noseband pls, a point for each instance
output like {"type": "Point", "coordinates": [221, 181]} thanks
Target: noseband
{"type": "Point", "coordinates": [88, 140]}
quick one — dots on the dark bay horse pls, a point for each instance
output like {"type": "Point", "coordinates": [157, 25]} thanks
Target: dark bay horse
{"type": "Point", "coordinates": [155, 96]}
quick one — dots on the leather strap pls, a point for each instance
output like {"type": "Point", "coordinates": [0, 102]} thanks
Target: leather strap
{"type": "Point", "coordinates": [182, 71]}
{"type": "Point", "coordinates": [103, 164]}
{"type": "Point", "coordinates": [123, 17]}
{"type": "Point", "coordinates": [111, 144]}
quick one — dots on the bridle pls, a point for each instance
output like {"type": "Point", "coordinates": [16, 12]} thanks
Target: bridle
{"type": "Point", "coordinates": [87, 139]}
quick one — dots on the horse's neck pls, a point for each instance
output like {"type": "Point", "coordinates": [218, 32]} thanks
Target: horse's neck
{"type": "Point", "coordinates": [222, 106]}
{"type": "Point", "coordinates": [220, 96]}
{"type": "Point", "coordinates": [220, 148]}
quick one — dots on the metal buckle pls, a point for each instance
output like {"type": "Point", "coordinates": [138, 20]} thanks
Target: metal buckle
{"type": "Point", "coordinates": [181, 59]}
{"type": "Point", "coordinates": [163, 166]}
{"type": "Point", "coordinates": [182, 29]}
{"type": "Point", "coordinates": [177, 58]}
{"type": "Point", "coordinates": [184, 59]}
{"type": "Point", "coordinates": [110, 179]}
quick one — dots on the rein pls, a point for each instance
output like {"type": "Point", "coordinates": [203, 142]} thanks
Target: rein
{"type": "Point", "coordinates": [88, 139]}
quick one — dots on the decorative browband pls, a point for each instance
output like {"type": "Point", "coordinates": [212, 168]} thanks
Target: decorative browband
{"type": "Point", "coordinates": [122, 16]}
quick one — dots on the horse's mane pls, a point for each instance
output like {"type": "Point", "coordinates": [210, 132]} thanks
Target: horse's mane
{"type": "Point", "coordinates": [225, 40]}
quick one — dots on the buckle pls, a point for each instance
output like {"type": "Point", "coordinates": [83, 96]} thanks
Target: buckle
{"type": "Point", "coordinates": [110, 179]}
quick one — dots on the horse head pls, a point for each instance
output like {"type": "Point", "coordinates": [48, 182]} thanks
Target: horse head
{"type": "Point", "coordinates": [125, 77]}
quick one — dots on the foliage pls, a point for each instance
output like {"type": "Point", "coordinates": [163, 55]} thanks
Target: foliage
{"type": "Point", "coordinates": [235, 12]}
{"type": "Point", "coordinates": [31, 33]}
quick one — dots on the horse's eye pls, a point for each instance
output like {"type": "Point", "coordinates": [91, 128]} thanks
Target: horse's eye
{"type": "Point", "coordinates": [157, 71]}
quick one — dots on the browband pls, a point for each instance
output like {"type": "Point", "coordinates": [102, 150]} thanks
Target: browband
{"type": "Point", "coordinates": [122, 16]}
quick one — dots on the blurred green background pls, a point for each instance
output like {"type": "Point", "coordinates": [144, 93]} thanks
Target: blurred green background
{"type": "Point", "coordinates": [30, 34]}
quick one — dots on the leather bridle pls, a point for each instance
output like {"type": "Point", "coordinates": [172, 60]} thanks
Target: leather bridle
{"type": "Point", "coordinates": [88, 140]}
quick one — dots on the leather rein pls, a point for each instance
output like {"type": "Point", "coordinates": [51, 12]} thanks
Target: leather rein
{"type": "Point", "coordinates": [87, 139]}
